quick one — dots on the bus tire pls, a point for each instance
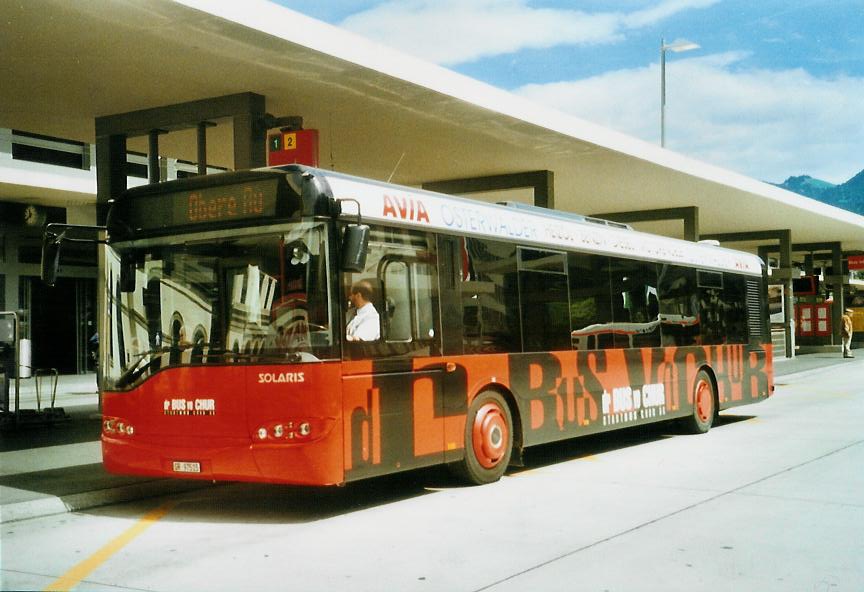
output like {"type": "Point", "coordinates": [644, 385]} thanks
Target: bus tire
{"type": "Point", "coordinates": [704, 405]}
{"type": "Point", "coordinates": [488, 439]}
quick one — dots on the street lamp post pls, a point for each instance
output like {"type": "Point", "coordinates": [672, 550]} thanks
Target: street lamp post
{"type": "Point", "coordinates": [676, 47]}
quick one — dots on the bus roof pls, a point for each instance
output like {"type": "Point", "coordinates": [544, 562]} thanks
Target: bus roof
{"type": "Point", "coordinates": [529, 225]}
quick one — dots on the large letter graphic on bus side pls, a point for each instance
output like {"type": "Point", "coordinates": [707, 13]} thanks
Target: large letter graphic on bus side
{"type": "Point", "coordinates": [440, 410]}
{"type": "Point", "coordinates": [534, 378]}
{"type": "Point", "coordinates": [729, 371]}
{"type": "Point", "coordinates": [756, 375]}
{"type": "Point", "coordinates": [718, 357]}
{"type": "Point", "coordinates": [581, 407]}
{"type": "Point", "coordinates": [688, 360]}
{"type": "Point", "coordinates": [561, 392]}
{"type": "Point", "coordinates": [404, 422]}
{"type": "Point", "coordinates": [366, 431]}
{"type": "Point", "coordinates": [590, 382]}
{"type": "Point", "coordinates": [665, 370]}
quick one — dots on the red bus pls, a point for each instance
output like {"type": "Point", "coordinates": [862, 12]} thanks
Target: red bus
{"type": "Point", "coordinates": [224, 354]}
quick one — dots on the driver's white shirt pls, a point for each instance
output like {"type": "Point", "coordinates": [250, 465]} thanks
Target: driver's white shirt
{"type": "Point", "coordinates": [365, 326]}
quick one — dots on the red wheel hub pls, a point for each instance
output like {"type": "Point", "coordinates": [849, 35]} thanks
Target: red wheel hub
{"type": "Point", "coordinates": [490, 435]}
{"type": "Point", "coordinates": [704, 401]}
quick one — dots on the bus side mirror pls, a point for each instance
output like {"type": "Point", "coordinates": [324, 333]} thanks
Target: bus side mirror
{"type": "Point", "coordinates": [127, 273]}
{"type": "Point", "coordinates": [50, 259]}
{"type": "Point", "coordinates": [355, 245]}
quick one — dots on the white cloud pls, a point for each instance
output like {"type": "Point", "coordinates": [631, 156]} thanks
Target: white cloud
{"type": "Point", "coordinates": [768, 124]}
{"type": "Point", "coordinates": [457, 31]}
{"type": "Point", "coordinates": [649, 16]}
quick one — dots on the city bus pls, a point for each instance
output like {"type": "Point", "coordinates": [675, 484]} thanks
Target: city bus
{"type": "Point", "coordinates": [501, 326]}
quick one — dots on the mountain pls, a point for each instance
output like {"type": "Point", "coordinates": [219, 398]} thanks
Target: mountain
{"type": "Point", "coordinates": [848, 195]}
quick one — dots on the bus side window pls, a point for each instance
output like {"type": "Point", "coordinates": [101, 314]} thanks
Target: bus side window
{"type": "Point", "coordinates": [635, 313]}
{"type": "Point", "coordinates": [402, 266]}
{"type": "Point", "coordinates": [590, 302]}
{"type": "Point", "coordinates": [679, 305]}
{"type": "Point", "coordinates": [408, 287]}
{"type": "Point", "coordinates": [544, 300]}
{"type": "Point", "coordinates": [490, 297]}
{"type": "Point", "coordinates": [396, 318]}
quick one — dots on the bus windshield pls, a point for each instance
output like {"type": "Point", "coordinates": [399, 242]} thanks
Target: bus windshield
{"type": "Point", "coordinates": [262, 298]}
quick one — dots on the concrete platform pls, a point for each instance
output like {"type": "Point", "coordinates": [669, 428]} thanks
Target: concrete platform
{"type": "Point", "coordinates": [54, 468]}
{"type": "Point", "coordinates": [57, 468]}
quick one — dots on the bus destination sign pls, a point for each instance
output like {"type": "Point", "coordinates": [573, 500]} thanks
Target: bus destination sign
{"type": "Point", "coordinates": [193, 206]}
{"type": "Point", "coordinates": [217, 204]}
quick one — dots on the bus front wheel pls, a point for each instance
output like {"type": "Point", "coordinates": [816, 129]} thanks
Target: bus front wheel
{"type": "Point", "coordinates": [704, 405]}
{"type": "Point", "coordinates": [488, 439]}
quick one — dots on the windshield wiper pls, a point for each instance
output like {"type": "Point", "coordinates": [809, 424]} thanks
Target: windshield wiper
{"type": "Point", "coordinates": [132, 373]}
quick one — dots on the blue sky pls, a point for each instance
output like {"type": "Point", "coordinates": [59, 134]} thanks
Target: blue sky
{"type": "Point", "coordinates": [776, 88]}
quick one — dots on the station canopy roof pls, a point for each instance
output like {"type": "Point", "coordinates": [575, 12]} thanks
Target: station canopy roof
{"type": "Point", "coordinates": [66, 63]}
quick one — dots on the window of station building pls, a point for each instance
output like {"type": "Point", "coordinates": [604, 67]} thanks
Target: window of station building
{"type": "Point", "coordinates": [47, 150]}
{"type": "Point", "coordinates": [74, 254]}
{"type": "Point", "coordinates": [544, 300]}
{"type": "Point", "coordinates": [635, 303]}
{"type": "Point", "coordinates": [679, 305]}
{"type": "Point", "coordinates": [490, 297]}
{"type": "Point", "coordinates": [590, 302]}
{"type": "Point", "coordinates": [136, 165]}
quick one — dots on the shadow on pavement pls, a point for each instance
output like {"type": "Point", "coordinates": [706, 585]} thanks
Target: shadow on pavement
{"type": "Point", "coordinates": [84, 425]}
{"type": "Point", "coordinates": [279, 504]}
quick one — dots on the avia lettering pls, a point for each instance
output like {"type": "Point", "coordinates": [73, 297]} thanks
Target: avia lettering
{"type": "Point", "coordinates": [276, 377]}
{"type": "Point", "coordinates": [405, 208]}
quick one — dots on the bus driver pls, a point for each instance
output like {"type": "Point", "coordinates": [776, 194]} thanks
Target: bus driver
{"type": "Point", "coordinates": [366, 325]}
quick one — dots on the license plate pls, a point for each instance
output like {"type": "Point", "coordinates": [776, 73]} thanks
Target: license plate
{"type": "Point", "coordinates": [187, 467]}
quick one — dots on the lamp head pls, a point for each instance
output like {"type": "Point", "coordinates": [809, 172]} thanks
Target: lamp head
{"type": "Point", "coordinates": [679, 46]}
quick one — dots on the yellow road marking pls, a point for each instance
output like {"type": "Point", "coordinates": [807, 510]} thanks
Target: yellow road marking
{"type": "Point", "coordinates": [74, 576]}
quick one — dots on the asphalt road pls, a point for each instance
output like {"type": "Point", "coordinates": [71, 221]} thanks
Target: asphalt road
{"type": "Point", "coordinates": [771, 499]}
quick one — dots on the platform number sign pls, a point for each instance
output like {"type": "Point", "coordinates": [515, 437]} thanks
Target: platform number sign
{"type": "Point", "coordinates": [299, 146]}
{"type": "Point", "coordinates": [286, 141]}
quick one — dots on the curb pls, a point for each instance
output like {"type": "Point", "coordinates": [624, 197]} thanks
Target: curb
{"type": "Point", "coordinates": [782, 378]}
{"type": "Point", "coordinates": [75, 502]}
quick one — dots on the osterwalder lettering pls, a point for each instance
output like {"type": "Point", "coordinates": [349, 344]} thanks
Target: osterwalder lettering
{"type": "Point", "coordinates": [472, 220]}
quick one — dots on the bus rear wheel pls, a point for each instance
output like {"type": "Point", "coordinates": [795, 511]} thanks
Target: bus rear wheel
{"type": "Point", "coordinates": [488, 439]}
{"type": "Point", "coordinates": [704, 405]}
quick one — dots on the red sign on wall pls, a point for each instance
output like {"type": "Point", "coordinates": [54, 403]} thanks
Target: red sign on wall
{"type": "Point", "coordinates": [856, 262]}
{"type": "Point", "coordinates": [814, 320]}
{"type": "Point", "coordinates": [297, 147]}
